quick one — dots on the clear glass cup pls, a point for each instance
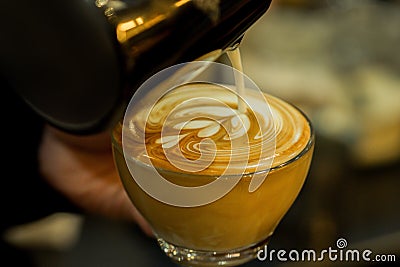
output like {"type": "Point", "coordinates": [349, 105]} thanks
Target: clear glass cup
{"type": "Point", "coordinates": [232, 229]}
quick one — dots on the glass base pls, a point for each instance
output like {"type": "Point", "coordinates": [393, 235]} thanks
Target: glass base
{"type": "Point", "coordinates": [198, 258]}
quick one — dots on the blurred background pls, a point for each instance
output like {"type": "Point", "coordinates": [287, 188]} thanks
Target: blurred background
{"type": "Point", "coordinates": [339, 61]}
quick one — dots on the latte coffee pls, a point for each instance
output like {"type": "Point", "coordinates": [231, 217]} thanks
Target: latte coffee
{"type": "Point", "coordinates": [191, 141]}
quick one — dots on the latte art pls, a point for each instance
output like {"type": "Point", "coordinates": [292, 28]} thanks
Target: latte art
{"type": "Point", "coordinates": [197, 128]}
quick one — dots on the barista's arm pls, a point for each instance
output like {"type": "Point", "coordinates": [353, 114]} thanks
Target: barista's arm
{"type": "Point", "coordinates": [24, 195]}
{"type": "Point", "coordinates": [82, 168]}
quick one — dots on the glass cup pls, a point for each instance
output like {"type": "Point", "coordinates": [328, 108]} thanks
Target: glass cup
{"type": "Point", "coordinates": [197, 221]}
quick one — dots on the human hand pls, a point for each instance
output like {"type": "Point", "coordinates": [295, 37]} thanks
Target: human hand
{"type": "Point", "coordinates": [82, 168]}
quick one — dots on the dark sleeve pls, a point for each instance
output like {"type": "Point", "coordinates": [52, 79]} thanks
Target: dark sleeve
{"type": "Point", "coordinates": [25, 196]}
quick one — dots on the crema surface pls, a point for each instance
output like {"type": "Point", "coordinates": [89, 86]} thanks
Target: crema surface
{"type": "Point", "coordinates": [198, 128]}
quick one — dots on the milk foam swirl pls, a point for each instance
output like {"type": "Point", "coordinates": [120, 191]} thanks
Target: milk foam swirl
{"type": "Point", "coordinates": [197, 128]}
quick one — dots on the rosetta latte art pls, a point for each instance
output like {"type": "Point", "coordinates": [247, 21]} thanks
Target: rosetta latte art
{"type": "Point", "coordinates": [197, 128]}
